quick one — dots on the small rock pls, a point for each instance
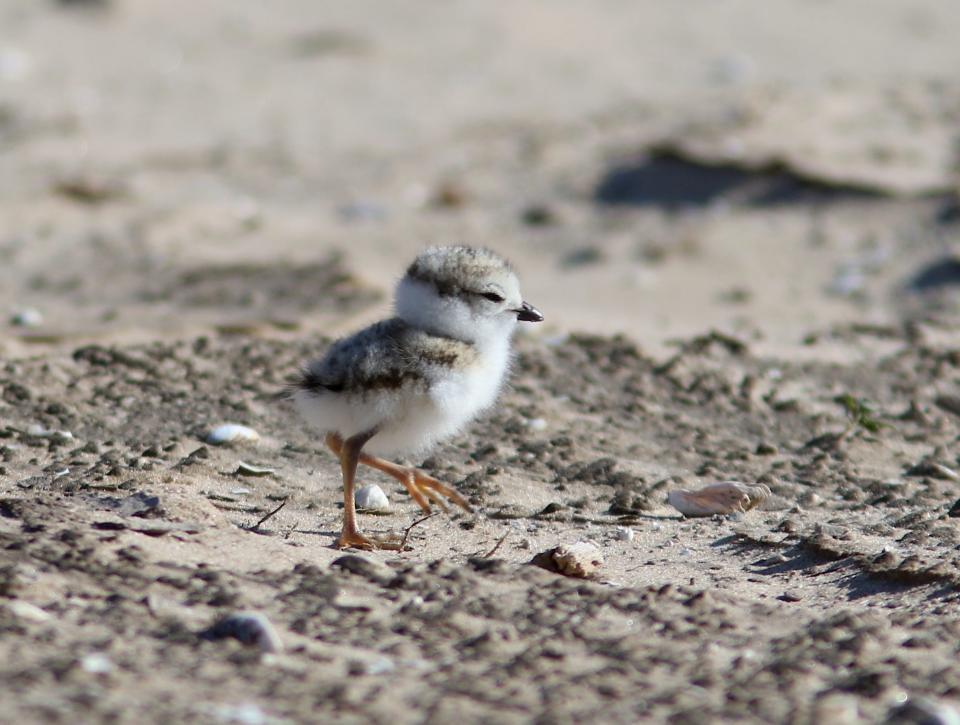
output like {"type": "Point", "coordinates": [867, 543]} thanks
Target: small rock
{"type": "Point", "coordinates": [539, 215]}
{"type": "Point", "coordinates": [27, 317]}
{"type": "Point", "coordinates": [537, 424]}
{"type": "Point", "coordinates": [232, 433]}
{"type": "Point", "coordinates": [449, 195]}
{"type": "Point", "coordinates": [248, 713]}
{"type": "Point", "coordinates": [249, 628]}
{"type": "Point", "coordinates": [139, 504]}
{"type": "Point", "coordinates": [90, 190]}
{"type": "Point", "coordinates": [97, 663]}
{"type": "Point", "coordinates": [726, 497]}
{"type": "Point", "coordinates": [954, 511]}
{"type": "Point", "coordinates": [625, 533]}
{"type": "Point", "coordinates": [371, 498]}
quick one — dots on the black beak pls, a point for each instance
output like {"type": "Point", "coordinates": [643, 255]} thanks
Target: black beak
{"type": "Point", "coordinates": [528, 313]}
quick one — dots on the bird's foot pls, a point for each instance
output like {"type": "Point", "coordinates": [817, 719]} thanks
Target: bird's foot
{"type": "Point", "coordinates": [425, 489]}
{"type": "Point", "coordinates": [356, 540]}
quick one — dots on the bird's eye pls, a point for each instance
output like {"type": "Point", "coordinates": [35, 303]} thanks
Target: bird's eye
{"type": "Point", "coordinates": [492, 296]}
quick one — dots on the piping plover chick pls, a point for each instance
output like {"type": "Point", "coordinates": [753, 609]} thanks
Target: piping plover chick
{"type": "Point", "coordinates": [406, 383]}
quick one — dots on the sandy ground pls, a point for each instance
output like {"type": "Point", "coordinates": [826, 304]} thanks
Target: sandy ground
{"type": "Point", "coordinates": [734, 219]}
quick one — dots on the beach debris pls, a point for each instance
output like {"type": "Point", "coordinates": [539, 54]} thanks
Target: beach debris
{"type": "Point", "coordinates": [248, 628]}
{"type": "Point", "coordinates": [371, 498]}
{"type": "Point", "coordinates": [624, 533]}
{"type": "Point", "coordinates": [726, 497]}
{"type": "Point", "coordinates": [581, 560]}
{"type": "Point", "coordinates": [232, 433]}
{"type": "Point", "coordinates": [248, 469]}
{"type": "Point", "coordinates": [27, 317]}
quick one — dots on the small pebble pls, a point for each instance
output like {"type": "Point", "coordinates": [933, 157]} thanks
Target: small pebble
{"type": "Point", "coordinates": [537, 424]}
{"type": "Point", "coordinates": [245, 714]}
{"type": "Point", "coordinates": [26, 610]}
{"type": "Point", "coordinates": [250, 628]}
{"type": "Point", "coordinates": [232, 433]}
{"type": "Point", "coordinates": [625, 533]}
{"type": "Point", "coordinates": [96, 663]}
{"type": "Point", "coordinates": [371, 498]}
{"type": "Point", "coordinates": [381, 666]}
{"type": "Point", "coordinates": [27, 317]}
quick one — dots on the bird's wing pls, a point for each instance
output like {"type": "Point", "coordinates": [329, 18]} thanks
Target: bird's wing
{"type": "Point", "coordinates": [374, 358]}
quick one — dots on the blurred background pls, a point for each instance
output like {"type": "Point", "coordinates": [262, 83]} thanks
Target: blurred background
{"type": "Point", "coordinates": [774, 170]}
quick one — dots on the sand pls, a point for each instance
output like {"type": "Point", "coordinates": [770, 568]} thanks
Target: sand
{"type": "Point", "coordinates": [740, 226]}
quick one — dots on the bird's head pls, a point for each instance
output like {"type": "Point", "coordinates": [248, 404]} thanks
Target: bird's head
{"type": "Point", "coordinates": [468, 293]}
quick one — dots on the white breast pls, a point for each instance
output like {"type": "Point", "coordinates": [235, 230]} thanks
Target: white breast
{"type": "Point", "coordinates": [456, 396]}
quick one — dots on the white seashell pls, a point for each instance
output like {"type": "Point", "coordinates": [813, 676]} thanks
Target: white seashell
{"type": "Point", "coordinates": [537, 424]}
{"type": "Point", "coordinates": [726, 497]}
{"type": "Point", "coordinates": [371, 498]}
{"type": "Point", "coordinates": [625, 533]}
{"type": "Point", "coordinates": [231, 433]}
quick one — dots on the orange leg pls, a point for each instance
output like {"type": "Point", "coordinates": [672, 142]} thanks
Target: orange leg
{"type": "Point", "coordinates": [349, 454]}
{"type": "Point", "coordinates": [421, 487]}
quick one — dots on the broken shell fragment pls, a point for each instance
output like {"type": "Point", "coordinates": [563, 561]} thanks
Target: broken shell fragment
{"type": "Point", "coordinates": [726, 497]}
{"type": "Point", "coordinates": [248, 469]}
{"type": "Point", "coordinates": [581, 560]}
